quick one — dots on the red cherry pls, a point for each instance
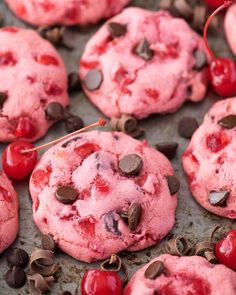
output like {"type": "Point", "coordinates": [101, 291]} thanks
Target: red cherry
{"type": "Point", "coordinates": [223, 76]}
{"type": "Point", "coordinates": [24, 128]}
{"type": "Point", "coordinates": [46, 60]}
{"type": "Point", "coordinates": [97, 282]}
{"type": "Point", "coordinates": [215, 3]}
{"type": "Point", "coordinates": [225, 249]}
{"type": "Point", "coordinates": [222, 70]}
{"type": "Point", "coordinates": [16, 164]}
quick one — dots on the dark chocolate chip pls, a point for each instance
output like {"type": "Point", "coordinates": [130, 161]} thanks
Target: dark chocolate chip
{"type": "Point", "coordinates": [173, 184]}
{"type": "Point", "coordinates": [48, 243]}
{"type": "Point", "coordinates": [127, 124]}
{"type": "Point", "coordinates": [218, 198]}
{"type": "Point", "coordinates": [134, 214]}
{"type": "Point", "coordinates": [15, 277]}
{"type": "Point", "coordinates": [200, 60]}
{"type": "Point", "coordinates": [53, 34]}
{"type": "Point", "coordinates": [154, 270]}
{"type": "Point", "coordinates": [111, 220]}
{"type": "Point", "coordinates": [131, 164]}
{"type": "Point", "coordinates": [117, 29]}
{"type": "Point", "coordinates": [17, 257]}
{"type": "Point", "coordinates": [228, 122]}
{"type": "Point", "coordinates": [3, 98]}
{"type": "Point", "coordinates": [54, 111]}
{"type": "Point", "coordinates": [187, 126]}
{"type": "Point", "coordinates": [93, 79]}
{"type": "Point", "coordinates": [143, 49]}
{"type": "Point", "coordinates": [74, 81]}
{"type": "Point", "coordinates": [73, 123]}
{"type": "Point", "coordinates": [66, 194]}
{"type": "Point", "coordinates": [169, 149]}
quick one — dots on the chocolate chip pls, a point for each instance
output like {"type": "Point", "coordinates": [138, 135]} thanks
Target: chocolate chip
{"type": "Point", "coordinates": [3, 98]}
{"type": "Point", "coordinates": [154, 270]}
{"type": "Point", "coordinates": [111, 220]}
{"type": "Point", "coordinates": [73, 123]}
{"type": "Point", "coordinates": [17, 257]}
{"type": "Point", "coordinates": [130, 164]}
{"type": "Point", "coordinates": [218, 198]}
{"type": "Point", "coordinates": [169, 149]}
{"type": "Point", "coordinates": [48, 243]}
{"type": "Point", "coordinates": [187, 126]}
{"type": "Point", "coordinates": [134, 214]}
{"type": "Point", "coordinates": [143, 49]}
{"type": "Point", "coordinates": [53, 34]}
{"type": "Point", "coordinates": [117, 29]}
{"type": "Point", "coordinates": [173, 184]}
{"type": "Point", "coordinates": [228, 122]}
{"type": "Point", "coordinates": [54, 111]}
{"type": "Point", "coordinates": [200, 60]}
{"type": "Point", "coordinates": [127, 124]}
{"type": "Point", "coordinates": [15, 277]}
{"type": "Point", "coordinates": [66, 194]}
{"type": "Point", "coordinates": [93, 79]}
{"type": "Point", "coordinates": [74, 81]}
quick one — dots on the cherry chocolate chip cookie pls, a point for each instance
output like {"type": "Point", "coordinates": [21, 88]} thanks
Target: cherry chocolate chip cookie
{"type": "Point", "coordinates": [142, 62]}
{"type": "Point", "coordinates": [209, 160]}
{"type": "Point", "coordinates": [103, 192]}
{"type": "Point", "coordinates": [33, 89]}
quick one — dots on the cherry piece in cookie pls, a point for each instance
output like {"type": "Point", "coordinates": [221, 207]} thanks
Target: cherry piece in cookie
{"type": "Point", "coordinates": [222, 70]}
{"type": "Point", "coordinates": [16, 164]}
{"type": "Point", "coordinates": [98, 282]}
{"type": "Point", "coordinates": [225, 249]}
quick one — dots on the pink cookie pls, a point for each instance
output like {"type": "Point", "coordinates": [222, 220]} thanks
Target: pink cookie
{"type": "Point", "coordinates": [32, 77]}
{"type": "Point", "coordinates": [142, 62]}
{"type": "Point", "coordinates": [66, 12]}
{"type": "Point", "coordinates": [95, 203]}
{"type": "Point", "coordinates": [8, 213]}
{"type": "Point", "coordinates": [183, 276]}
{"type": "Point", "coordinates": [230, 27]}
{"type": "Point", "coordinates": [209, 160]}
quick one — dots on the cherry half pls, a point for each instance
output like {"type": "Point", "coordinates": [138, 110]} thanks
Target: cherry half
{"type": "Point", "coordinates": [98, 282]}
{"type": "Point", "coordinates": [225, 249]}
{"type": "Point", "coordinates": [18, 165]}
{"type": "Point", "coordinates": [222, 70]}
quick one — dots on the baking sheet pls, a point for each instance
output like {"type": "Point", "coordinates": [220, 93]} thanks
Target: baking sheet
{"type": "Point", "coordinates": [191, 220]}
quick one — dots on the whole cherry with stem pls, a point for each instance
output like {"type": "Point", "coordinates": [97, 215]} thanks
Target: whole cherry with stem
{"type": "Point", "coordinates": [19, 158]}
{"type": "Point", "coordinates": [222, 70]}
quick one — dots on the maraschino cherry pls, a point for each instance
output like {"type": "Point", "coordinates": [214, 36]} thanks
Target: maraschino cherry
{"type": "Point", "coordinates": [19, 158]}
{"type": "Point", "coordinates": [215, 3]}
{"type": "Point", "coordinates": [225, 249]}
{"type": "Point", "coordinates": [222, 70]}
{"type": "Point", "coordinates": [99, 282]}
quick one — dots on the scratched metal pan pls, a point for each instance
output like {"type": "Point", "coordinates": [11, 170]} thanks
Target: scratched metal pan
{"type": "Point", "coordinates": [191, 219]}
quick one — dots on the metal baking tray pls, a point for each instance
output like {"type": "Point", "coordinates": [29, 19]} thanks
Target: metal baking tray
{"type": "Point", "coordinates": [191, 220]}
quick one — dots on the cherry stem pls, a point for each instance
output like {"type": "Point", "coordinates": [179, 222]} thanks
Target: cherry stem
{"type": "Point", "coordinates": [226, 4]}
{"type": "Point", "coordinates": [100, 122]}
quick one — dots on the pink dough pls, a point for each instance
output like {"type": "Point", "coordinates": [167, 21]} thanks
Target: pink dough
{"type": "Point", "coordinates": [230, 27]}
{"type": "Point", "coordinates": [67, 12]}
{"type": "Point", "coordinates": [139, 87]}
{"type": "Point", "coordinates": [91, 228]}
{"type": "Point", "coordinates": [8, 213]}
{"type": "Point", "coordinates": [209, 160]}
{"type": "Point", "coordinates": [32, 75]}
{"type": "Point", "coordinates": [184, 276]}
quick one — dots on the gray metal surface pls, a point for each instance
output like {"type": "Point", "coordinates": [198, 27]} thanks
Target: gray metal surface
{"type": "Point", "coordinates": [191, 219]}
